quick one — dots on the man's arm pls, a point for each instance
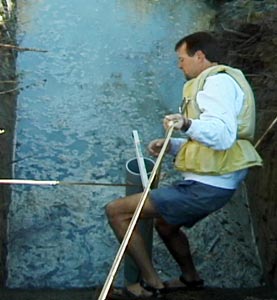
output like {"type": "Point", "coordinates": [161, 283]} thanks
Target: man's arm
{"type": "Point", "coordinates": [176, 144]}
{"type": "Point", "coordinates": [220, 103]}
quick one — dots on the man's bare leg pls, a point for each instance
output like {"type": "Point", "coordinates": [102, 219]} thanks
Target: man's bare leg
{"type": "Point", "coordinates": [119, 214]}
{"type": "Point", "coordinates": [178, 245]}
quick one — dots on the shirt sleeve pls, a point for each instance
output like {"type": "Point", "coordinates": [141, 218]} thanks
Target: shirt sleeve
{"type": "Point", "coordinates": [176, 144]}
{"type": "Point", "coordinates": [220, 102]}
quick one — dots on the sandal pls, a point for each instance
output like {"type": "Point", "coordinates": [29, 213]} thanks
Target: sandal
{"type": "Point", "coordinates": [187, 285]}
{"type": "Point", "coordinates": [156, 293]}
{"type": "Point", "coordinates": [125, 294]}
{"type": "Point", "coordinates": [192, 285]}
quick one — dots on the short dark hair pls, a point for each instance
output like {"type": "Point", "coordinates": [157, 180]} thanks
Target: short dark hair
{"type": "Point", "coordinates": [203, 41]}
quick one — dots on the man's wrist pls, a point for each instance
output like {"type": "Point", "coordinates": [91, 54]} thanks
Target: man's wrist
{"type": "Point", "coordinates": [186, 125]}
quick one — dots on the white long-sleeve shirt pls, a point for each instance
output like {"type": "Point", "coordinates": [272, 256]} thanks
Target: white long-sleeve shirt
{"type": "Point", "coordinates": [220, 102]}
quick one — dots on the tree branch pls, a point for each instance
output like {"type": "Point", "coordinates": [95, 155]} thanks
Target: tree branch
{"type": "Point", "coordinates": [238, 33]}
{"type": "Point", "coordinates": [10, 91]}
{"type": "Point", "coordinates": [8, 46]}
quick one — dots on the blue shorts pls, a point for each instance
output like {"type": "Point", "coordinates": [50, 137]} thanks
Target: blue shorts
{"type": "Point", "coordinates": [187, 202]}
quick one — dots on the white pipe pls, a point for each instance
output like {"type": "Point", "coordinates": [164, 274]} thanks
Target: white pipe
{"type": "Point", "coordinates": [33, 182]}
{"type": "Point", "coordinates": [140, 160]}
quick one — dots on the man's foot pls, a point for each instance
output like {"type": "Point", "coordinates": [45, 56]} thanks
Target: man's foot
{"type": "Point", "coordinates": [140, 290]}
{"type": "Point", "coordinates": [182, 284]}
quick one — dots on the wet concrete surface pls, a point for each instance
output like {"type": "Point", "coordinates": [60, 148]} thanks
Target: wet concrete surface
{"type": "Point", "coordinates": [93, 294]}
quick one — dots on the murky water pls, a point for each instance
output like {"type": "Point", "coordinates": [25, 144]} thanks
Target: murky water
{"type": "Point", "coordinates": [110, 68]}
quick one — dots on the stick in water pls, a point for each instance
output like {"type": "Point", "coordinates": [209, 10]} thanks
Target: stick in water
{"type": "Point", "coordinates": [55, 182]}
{"type": "Point", "coordinates": [29, 182]}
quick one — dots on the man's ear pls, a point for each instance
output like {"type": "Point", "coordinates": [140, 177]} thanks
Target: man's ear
{"type": "Point", "coordinates": [200, 55]}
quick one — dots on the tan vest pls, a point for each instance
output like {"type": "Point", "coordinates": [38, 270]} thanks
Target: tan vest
{"type": "Point", "coordinates": [196, 157]}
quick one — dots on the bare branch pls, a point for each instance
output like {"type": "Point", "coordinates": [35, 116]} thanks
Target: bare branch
{"type": "Point", "coordinates": [8, 46]}
{"type": "Point", "coordinates": [8, 81]}
{"type": "Point", "coordinates": [235, 32]}
{"type": "Point", "coordinates": [10, 91]}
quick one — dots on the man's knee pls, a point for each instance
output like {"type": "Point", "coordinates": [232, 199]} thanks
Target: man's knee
{"type": "Point", "coordinates": [111, 212]}
{"type": "Point", "coordinates": [164, 229]}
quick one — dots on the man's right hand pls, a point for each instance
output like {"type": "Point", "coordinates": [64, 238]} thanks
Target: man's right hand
{"type": "Point", "coordinates": [155, 147]}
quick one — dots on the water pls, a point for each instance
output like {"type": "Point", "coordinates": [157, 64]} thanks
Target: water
{"type": "Point", "coordinates": [110, 69]}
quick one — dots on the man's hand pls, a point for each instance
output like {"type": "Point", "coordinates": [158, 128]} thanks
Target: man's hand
{"type": "Point", "coordinates": [178, 121]}
{"type": "Point", "coordinates": [155, 147]}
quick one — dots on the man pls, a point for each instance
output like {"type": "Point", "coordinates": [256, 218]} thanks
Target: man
{"type": "Point", "coordinates": [217, 122]}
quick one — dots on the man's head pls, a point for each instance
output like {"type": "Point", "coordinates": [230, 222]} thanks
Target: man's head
{"type": "Point", "coordinates": [197, 52]}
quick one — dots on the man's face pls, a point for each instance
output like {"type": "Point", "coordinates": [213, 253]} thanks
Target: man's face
{"type": "Point", "coordinates": [190, 65]}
